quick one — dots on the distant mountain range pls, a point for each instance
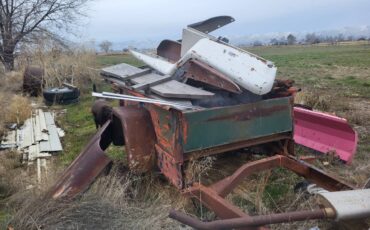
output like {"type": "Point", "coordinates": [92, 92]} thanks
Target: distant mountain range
{"type": "Point", "coordinates": [345, 32]}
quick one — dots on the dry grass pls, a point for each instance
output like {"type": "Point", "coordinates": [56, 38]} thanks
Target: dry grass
{"type": "Point", "coordinates": [18, 110]}
{"type": "Point", "coordinates": [314, 100]}
{"type": "Point", "coordinates": [119, 200]}
{"type": "Point", "coordinates": [14, 109]}
{"type": "Point", "coordinates": [76, 67]}
{"type": "Point", "coordinates": [11, 82]}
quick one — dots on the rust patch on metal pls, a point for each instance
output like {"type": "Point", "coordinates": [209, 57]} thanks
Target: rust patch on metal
{"type": "Point", "coordinates": [168, 166]}
{"type": "Point", "coordinates": [249, 114]}
{"type": "Point", "coordinates": [184, 125]}
{"type": "Point", "coordinates": [161, 138]}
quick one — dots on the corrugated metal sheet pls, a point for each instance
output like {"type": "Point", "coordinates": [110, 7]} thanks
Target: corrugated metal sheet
{"type": "Point", "coordinates": [10, 140]}
{"type": "Point", "coordinates": [34, 152]}
{"type": "Point", "coordinates": [37, 138]}
{"type": "Point", "coordinates": [53, 143]}
{"type": "Point", "coordinates": [40, 126]}
{"type": "Point", "coordinates": [26, 137]}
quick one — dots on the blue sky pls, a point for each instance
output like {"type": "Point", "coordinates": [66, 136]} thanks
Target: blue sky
{"type": "Point", "coordinates": [127, 20]}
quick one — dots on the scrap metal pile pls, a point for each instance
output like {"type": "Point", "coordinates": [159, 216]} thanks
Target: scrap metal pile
{"type": "Point", "coordinates": [201, 96]}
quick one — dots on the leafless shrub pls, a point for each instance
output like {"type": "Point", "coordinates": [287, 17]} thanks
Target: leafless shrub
{"type": "Point", "coordinates": [12, 82]}
{"type": "Point", "coordinates": [14, 109]}
{"type": "Point", "coordinates": [199, 168]}
{"type": "Point", "coordinates": [73, 65]}
{"type": "Point", "coordinates": [19, 109]}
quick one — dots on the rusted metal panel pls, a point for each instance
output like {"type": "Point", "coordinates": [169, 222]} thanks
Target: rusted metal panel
{"type": "Point", "coordinates": [85, 168]}
{"type": "Point", "coordinates": [221, 126]}
{"type": "Point", "coordinates": [169, 167]}
{"type": "Point", "coordinates": [170, 50]}
{"type": "Point", "coordinates": [164, 123]}
{"type": "Point", "coordinates": [201, 72]}
{"type": "Point", "coordinates": [139, 137]}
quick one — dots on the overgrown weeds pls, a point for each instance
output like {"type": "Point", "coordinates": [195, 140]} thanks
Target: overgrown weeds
{"type": "Point", "coordinates": [14, 109]}
{"type": "Point", "coordinates": [119, 200]}
{"type": "Point", "coordinates": [75, 65]}
{"type": "Point", "coordinates": [314, 100]}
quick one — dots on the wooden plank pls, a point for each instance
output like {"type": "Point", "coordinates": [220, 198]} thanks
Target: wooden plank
{"type": "Point", "coordinates": [149, 80]}
{"type": "Point", "coordinates": [124, 71]}
{"type": "Point", "coordinates": [175, 89]}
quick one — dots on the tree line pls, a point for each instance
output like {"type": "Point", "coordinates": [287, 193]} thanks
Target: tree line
{"type": "Point", "coordinates": [310, 38]}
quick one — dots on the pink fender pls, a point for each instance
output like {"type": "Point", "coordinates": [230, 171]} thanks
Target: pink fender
{"type": "Point", "coordinates": [325, 133]}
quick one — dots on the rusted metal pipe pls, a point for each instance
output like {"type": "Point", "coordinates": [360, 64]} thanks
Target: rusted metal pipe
{"type": "Point", "coordinates": [252, 221]}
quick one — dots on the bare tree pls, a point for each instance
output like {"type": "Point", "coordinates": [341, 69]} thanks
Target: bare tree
{"type": "Point", "coordinates": [312, 38]}
{"type": "Point", "coordinates": [291, 39]}
{"type": "Point", "coordinates": [105, 46]}
{"type": "Point", "coordinates": [257, 43]}
{"type": "Point", "coordinates": [274, 42]}
{"type": "Point", "coordinates": [22, 19]}
{"type": "Point", "coordinates": [339, 37]}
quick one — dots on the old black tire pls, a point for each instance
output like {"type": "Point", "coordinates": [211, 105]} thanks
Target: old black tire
{"type": "Point", "coordinates": [62, 96]}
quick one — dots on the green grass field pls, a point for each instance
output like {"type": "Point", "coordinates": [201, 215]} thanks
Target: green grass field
{"type": "Point", "coordinates": [343, 69]}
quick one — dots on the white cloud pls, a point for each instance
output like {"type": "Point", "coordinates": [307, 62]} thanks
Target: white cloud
{"type": "Point", "coordinates": [122, 20]}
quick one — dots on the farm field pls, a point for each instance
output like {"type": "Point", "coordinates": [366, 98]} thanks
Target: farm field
{"type": "Point", "coordinates": [333, 79]}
